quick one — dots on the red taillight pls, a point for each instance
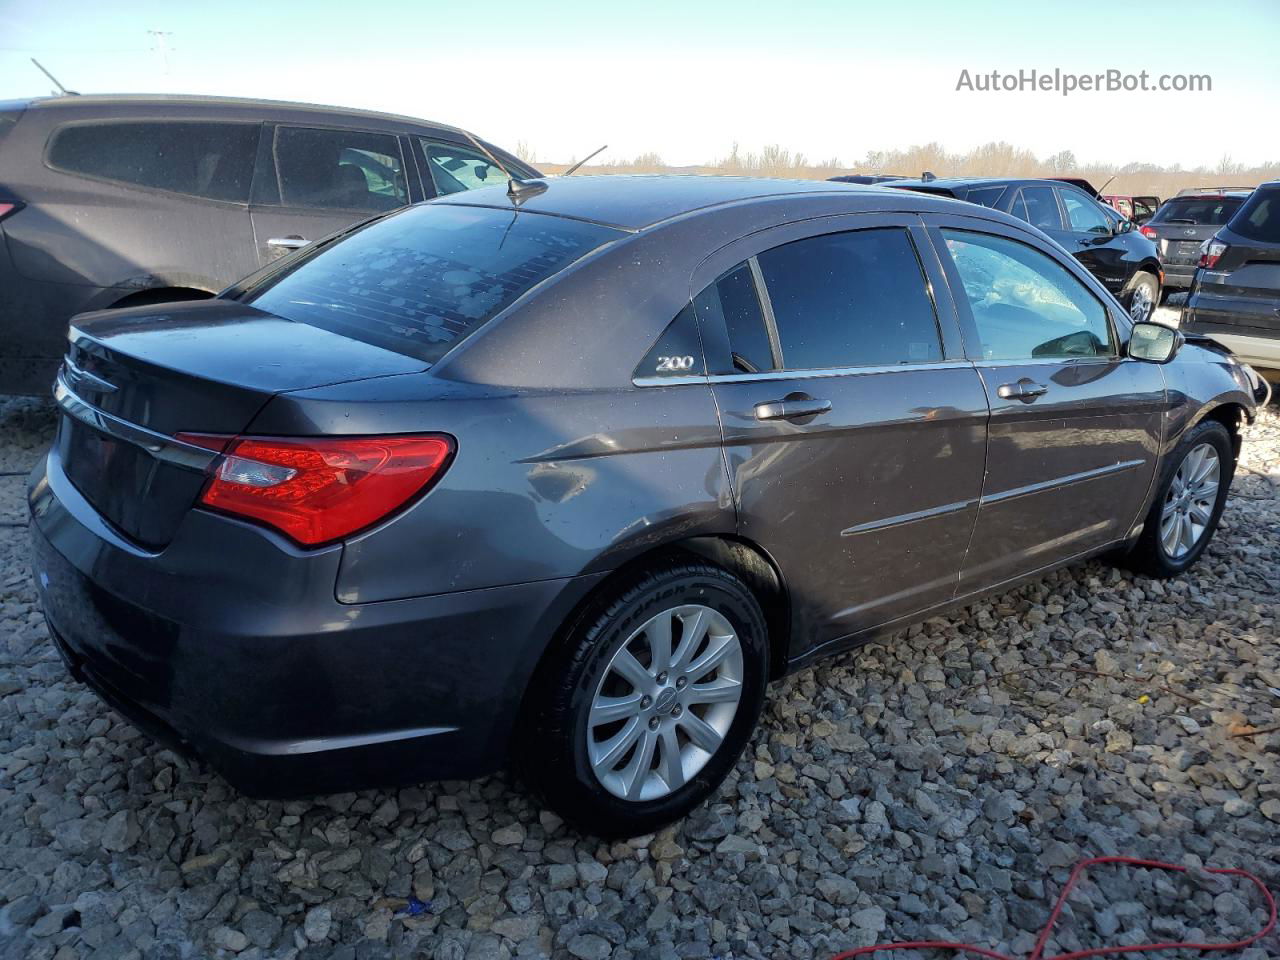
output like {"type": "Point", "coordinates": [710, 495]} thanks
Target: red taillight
{"type": "Point", "coordinates": [1148, 231]}
{"type": "Point", "coordinates": [7, 207]}
{"type": "Point", "coordinates": [319, 489]}
{"type": "Point", "coordinates": [1211, 252]}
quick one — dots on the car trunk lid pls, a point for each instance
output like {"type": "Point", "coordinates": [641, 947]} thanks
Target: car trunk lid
{"type": "Point", "coordinates": [134, 379]}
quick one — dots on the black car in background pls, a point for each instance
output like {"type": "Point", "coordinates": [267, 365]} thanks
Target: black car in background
{"type": "Point", "coordinates": [1182, 225]}
{"type": "Point", "coordinates": [1106, 243]}
{"type": "Point", "coordinates": [121, 201]}
{"type": "Point", "coordinates": [1235, 294]}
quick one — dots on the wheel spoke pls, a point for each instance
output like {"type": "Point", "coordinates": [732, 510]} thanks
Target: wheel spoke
{"type": "Point", "coordinates": [717, 649]}
{"type": "Point", "coordinates": [632, 670]}
{"type": "Point", "coordinates": [1169, 533]}
{"type": "Point", "coordinates": [722, 690]}
{"type": "Point", "coordinates": [700, 732]}
{"type": "Point", "coordinates": [1200, 511]}
{"type": "Point", "coordinates": [695, 628]}
{"type": "Point", "coordinates": [1170, 508]}
{"type": "Point", "coordinates": [1208, 465]}
{"type": "Point", "coordinates": [1188, 538]}
{"type": "Point", "coordinates": [606, 755]}
{"type": "Point", "coordinates": [670, 763]}
{"type": "Point", "coordinates": [633, 776]}
{"type": "Point", "coordinates": [611, 709]}
{"type": "Point", "coordinates": [659, 634]}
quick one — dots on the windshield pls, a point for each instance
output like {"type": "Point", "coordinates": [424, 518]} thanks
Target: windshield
{"type": "Point", "coordinates": [420, 280]}
{"type": "Point", "coordinates": [1210, 211]}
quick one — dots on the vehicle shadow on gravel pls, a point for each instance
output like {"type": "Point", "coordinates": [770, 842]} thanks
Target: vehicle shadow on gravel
{"type": "Point", "coordinates": [937, 785]}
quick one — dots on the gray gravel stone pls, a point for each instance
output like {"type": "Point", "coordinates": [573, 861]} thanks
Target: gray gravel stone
{"type": "Point", "coordinates": [940, 783]}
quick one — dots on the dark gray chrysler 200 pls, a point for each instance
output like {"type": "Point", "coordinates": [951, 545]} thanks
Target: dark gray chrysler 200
{"type": "Point", "coordinates": [567, 481]}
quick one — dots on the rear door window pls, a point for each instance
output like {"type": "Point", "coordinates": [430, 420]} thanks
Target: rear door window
{"type": "Point", "coordinates": [455, 168]}
{"type": "Point", "coordinates": [1039, 207]}
{"type": "Point", "coordinates": [339, 169]}
{"type": "Point", "coordinates": [200, 159]}
{"type": "Point", "coordinates": [419, 281]}
{"type": "Point", "coordinates": [733, 300]}
{"type": "Point", "coordinates": [850, 299]}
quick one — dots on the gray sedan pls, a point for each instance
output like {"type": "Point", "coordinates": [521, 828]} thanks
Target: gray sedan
{"type": "Point", "coordinates": [563, 475]}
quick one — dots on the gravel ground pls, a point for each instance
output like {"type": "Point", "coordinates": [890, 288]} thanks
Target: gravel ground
{"type": "Point", "coordinates": [937, 785]}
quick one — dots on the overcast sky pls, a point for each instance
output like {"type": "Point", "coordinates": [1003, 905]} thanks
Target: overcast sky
{"type": "Point", "coordinates": [687, 79]}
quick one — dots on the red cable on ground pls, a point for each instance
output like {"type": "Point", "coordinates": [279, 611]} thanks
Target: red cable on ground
{"type": "Point", "coordinates": [1038, 952]}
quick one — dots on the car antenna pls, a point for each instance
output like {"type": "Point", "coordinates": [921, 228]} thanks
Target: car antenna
{"type": "Point", "coordinates": [1107, 184]}
{"type": "Point", "coordinates": [574, 169]}
{"type": "Point", "coordinates": [65, 91]}
{"type": "Point", "coordinates": [517, 190]}
{"type": "Point", "coordinates": [928, 176]}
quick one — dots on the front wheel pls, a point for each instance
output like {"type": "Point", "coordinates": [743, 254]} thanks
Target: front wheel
{"type": "Point", "coordinates": [1144, 294]}
{"type": "Point", "coordinates": [644, 709]}
{"type": "Point", "coordinates": [1188, 503]}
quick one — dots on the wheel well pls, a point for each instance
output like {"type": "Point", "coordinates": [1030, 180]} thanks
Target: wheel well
{"type": "Point", "coordinates": [144, 298]}
{"type": "Point", "coordinates": [1230, 415]}
{"type": "Point", "coordinates": [740, 557]}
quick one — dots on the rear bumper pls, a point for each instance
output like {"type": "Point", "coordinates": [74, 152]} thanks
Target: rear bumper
{"type": "Point", "coordinates": [1178, 276]}
{"type": "Point", "coordinates": [228, 646]}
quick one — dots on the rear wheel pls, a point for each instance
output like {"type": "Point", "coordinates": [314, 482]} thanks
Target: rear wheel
{"type": "Point", "coordinates": [1188, 503]}
{"type": "Point", "coordinates": [644, 710]}
{"type": "Point", "coordinates": [1143, 295]}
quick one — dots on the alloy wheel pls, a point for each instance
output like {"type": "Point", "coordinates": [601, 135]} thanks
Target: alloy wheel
{"type": "Point", "coordinates": [1189, 503]}
{"type": "Point", "coordinates": [665, 703]}
{"type": "Point", "coordinates": [1141, 303]}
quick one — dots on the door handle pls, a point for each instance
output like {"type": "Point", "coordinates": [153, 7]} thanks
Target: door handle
{"type": "Point", "coordinates": [794, 406]}
{"type": "Point", "coordinates": [291, 242]}
{"type": "Point", "coordinates": [1025, 390]}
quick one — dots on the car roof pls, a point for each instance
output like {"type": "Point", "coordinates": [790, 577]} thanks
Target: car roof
{"type": "Point", "coordinates": [948, 183]}
{"type": "Point", "coordinates": [634, 202]}
{"type": "Point", "coordinates": [178, 100]}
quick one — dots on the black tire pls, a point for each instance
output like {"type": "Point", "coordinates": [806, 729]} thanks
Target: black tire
{"type": "Point", "coordinates": [1149, 555]}
{"type": "Point", "coordinates": [551, 750]}
{"type": "Point", "coordinates": [1144, 288]}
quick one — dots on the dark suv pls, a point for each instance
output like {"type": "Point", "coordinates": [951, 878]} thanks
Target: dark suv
{"type": "Point", "coordinates": [1107, 243]}
{"type": "Point", "coordinates": [1182, 225]}
{"type": "Point", "coordinates": [113, 201]}
{"type": "Point", "coordinates": [1235, 294]}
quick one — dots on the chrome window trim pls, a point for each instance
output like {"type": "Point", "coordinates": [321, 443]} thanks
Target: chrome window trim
{"type": "Point", "coordinates": [805, 374]}
{"type": "Point", "coordinates": [1053, 361]}
{"type": "Point", "coordinates": [158, 445]}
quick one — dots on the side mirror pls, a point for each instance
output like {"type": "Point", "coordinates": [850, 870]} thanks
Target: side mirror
{"type": "Point", "coordinates": [1154, 342]}
{"type": "Point", "coordinates": [1124, 226]}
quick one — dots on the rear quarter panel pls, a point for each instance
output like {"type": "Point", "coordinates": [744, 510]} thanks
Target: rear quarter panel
{"type": "Point", "coordinates": [545, 484]}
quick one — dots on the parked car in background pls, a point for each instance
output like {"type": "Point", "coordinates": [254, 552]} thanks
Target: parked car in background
{"type": "Point", "coordinates": [1108, 244]}
{"type": "Point", "coordinates": [476, 483]}
{"type": "Point", "coordinates": [116, 201]}
{"type": "Point", "coordinates": [1137, 209]}
{"type": "Point", "coordinates": [1182, 225]}
{"type": "Point", "coordinates": [1235, 293]}
{"type": "Point", "coordinates": [1193, 191]}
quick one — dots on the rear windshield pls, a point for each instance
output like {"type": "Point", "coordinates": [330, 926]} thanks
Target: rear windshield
{"type": "Point", "coordinates": [1210, 211]}
{"type": "Point", "coordinates": [1259, 218]}
{"type": "Point", "coordinates": [420, 280]}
